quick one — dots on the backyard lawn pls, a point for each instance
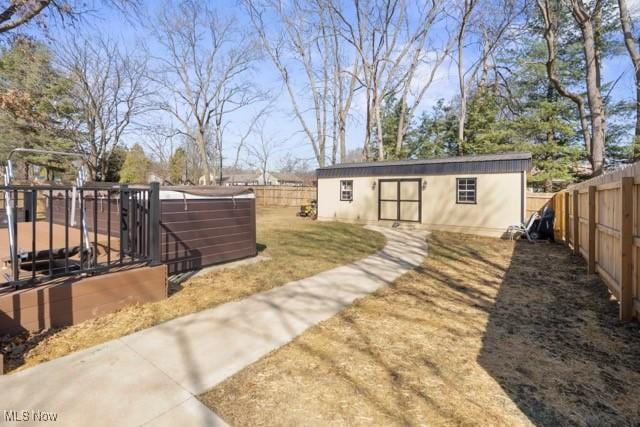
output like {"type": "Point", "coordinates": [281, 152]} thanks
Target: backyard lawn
{"type": "Point", "coordinates": [485, 332]}
{"type": "Point", "coordinates": [296, 248]}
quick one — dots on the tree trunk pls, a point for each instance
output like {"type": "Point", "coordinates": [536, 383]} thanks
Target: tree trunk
{"type": "Point", "coordinates": [379, 131]}
{"type": "Point", "coordinates": [401, 127]}
{"type": "Point", "coordinates": [200, 140]}
{"type": "Point", "coordinates": [342, 136]}
{"type": "Point", "coordinates": [594, 97]}
{"type": "Point", "coordinates": [462, 87]}
{"type": "Point", "coordinates": [634, 54]}
{"type": "Point", "coordinates": [550, 28]}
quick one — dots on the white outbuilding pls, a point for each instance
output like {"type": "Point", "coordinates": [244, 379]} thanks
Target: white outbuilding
{"type": "Point", "coordinates": [482, 194]}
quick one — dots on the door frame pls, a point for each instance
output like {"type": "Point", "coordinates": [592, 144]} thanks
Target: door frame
{"type": "Point", "coordinates": [399, 200]}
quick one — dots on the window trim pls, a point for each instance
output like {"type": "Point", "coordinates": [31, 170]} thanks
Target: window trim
{"type": "Point", "coordinates": [475, 191]}
{"type": "Point", "coordinates": [342, 199]}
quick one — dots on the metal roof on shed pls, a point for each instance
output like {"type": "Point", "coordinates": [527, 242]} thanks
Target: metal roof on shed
{"type": "Point", "coordinates": [490, 163]}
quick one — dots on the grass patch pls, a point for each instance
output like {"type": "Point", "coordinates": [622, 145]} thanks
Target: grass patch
{"type": "Point", "coordinates": [297, 248]}
{"type": "Point", "coordinates": [485, 332]}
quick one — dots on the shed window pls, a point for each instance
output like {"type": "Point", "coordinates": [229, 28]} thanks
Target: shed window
{"type": "Point", "coordinates": [466, 190]}
{"type": "Point", "coordinates": [346, 190]}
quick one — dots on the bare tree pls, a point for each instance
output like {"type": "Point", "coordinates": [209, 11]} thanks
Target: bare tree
{"type": "Point", "coordinates": [203, 74]}
{"type": "Point", "coordinates": [465, 16]}
{"type": "Point", "coordinates": [390, 39]}
{"type": "Point", "coordinates": [421, 57]}
{"type": "Point", "coordinates": [255, 121]}
{"type": "Point", "coordinates": [262, 149]}
{"type": "Point", "coordinates": [16, 13]}
{"type": "Point", "coordinates": [592, 122]}
{"type": "Point", "coordinates": [631, 43]}
{"type": "Point", "coordinates": [110, 91]}
{"type": "Point", "coordinates": [306, 39]}
{"type": "Point", "coordinates": [488, 22]}
{"type": "Point", "coordinates": [587, 20]}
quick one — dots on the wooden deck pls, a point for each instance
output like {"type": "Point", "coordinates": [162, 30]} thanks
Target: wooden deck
{"type": "Point", "coordinates": [67, 301]}
{"type": "Point", "coordinates": [58, 240]}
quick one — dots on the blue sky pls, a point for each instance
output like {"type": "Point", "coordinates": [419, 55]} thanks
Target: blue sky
{"type": "Point", "coordinates": [282, 125]}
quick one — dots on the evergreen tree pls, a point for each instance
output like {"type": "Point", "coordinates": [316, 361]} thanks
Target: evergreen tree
{"type": "Point", "coordinates": [116, 161]}
{"type": "Point", "coordinates": [178, 166]}
{"type": "Point", "coordinates": [391, 111]}
{"type": "Point", "coordinates": [35, 109]}
{"type": "Point", "coordinates": [435, 135]}
{"type": "Point", "coordinates": [136, 166]}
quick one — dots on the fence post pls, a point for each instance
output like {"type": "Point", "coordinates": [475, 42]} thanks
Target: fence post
{"type": "Point", "coordinates": [566, 218]}
{"type": "Point", "coordinates": [154, 223]}
{"type": "Point", "coordinates": [626, 249]}
{"type": "Point", "coordinates": [576, 223]}
{"type": "Point", "coordinates": [124, 220]}
{"type": "Point", "coordinates": [592, 230]}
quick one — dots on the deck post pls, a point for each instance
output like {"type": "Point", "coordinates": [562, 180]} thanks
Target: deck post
{"type": "Point", "coordinates": [592, 230]}
{"type": "Point", "coordinates": [576, 223]}
{"type": "Point", "coordinates": [626, 249]}
{"type": "Point", "coordinates": [154, 223]}
{"type": "Point", "coordinates": [124, 220]}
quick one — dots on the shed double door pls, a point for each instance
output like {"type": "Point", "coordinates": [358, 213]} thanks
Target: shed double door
{"type": "Point", "coordinates": [400, 200]}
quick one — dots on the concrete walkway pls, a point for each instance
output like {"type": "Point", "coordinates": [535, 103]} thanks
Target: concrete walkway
{"type": "Point", "coordinates": [152, 377]}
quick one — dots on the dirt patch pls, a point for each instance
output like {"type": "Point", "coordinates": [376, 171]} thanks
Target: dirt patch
{"type": "Point", "coordinates": [296, 248]}
{"type": "Point", "coordinates": [485, 332]}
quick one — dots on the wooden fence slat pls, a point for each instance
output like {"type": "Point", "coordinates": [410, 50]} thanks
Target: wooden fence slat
{"type": "Point", "coordinates": [281, 195]}
{"type": "Point", "coordinates": [566, 217]}
{"type": "Point", "coordinates": [626, 249]}
{"type": "Point", "coordinates": [576, 223]}
{"type": "Point", "coordinates": [592, 230]}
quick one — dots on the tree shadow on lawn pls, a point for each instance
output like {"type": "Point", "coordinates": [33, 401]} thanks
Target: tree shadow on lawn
{"type": "Point", "coordinates": [484, 332]}
{"type": "Point", "coordinates": [555, 345]}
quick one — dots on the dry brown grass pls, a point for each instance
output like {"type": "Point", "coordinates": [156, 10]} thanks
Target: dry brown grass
{"type": "Point", "coordinates": [486, 332]}
{"type": "Point", "coordinates": [297, 248]}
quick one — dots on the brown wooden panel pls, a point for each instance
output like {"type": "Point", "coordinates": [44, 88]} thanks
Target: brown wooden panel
{"type": "Point", "coordinates": [191, 263]}
{"type": "Point", "coordinates": [203, 229]}
{"type": "Point", "coordinates": [205, 205]}
{"type": "Point", "coordinates": [197, 234]}
{"type": "Point", "coordinates": [202, 224]}
{"type": "Point", "coordinates": [209, 232]}
{"type": "Point", "coordinates": [68, 302]}
{"type": "Point", "coordinates": [59, 216]}
{"type": "Point", "coordinates": [192, 215]}
{"type": "Point", "coordinates": [207, 250]}
{"type": "Point", "coordinates": [169, 243]}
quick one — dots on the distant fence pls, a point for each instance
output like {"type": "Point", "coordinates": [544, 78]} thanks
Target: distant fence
{"type": "Point", "coordinates": [600, 220]}
{"type": "Point", "coordinates": [282, 195]}
{"type": "Point", "coordinates": [537, 201]}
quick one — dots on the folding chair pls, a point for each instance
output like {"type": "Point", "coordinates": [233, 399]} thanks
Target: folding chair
{"type": "Point", "coordinates": [523, 228]}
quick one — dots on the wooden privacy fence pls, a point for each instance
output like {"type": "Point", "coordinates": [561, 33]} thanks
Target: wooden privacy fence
{"type": "Point", "coordinates": [536, 201]}
{"type": "Point", "coordinates": [281, 195]}
{"type": "Point", "coordinates": [600, 220]}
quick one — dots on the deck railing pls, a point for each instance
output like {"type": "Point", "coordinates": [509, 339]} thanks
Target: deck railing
{"type": "Point", "coordinates": [61, 230]}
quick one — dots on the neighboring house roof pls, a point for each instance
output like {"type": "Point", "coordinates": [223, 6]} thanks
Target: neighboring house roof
{"type": "Point", "coordinates": [490, 163]}
{"type": "Point", "coordinates": [286, 176]}
{"type": "Point", "coordinates": [242, 177]}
